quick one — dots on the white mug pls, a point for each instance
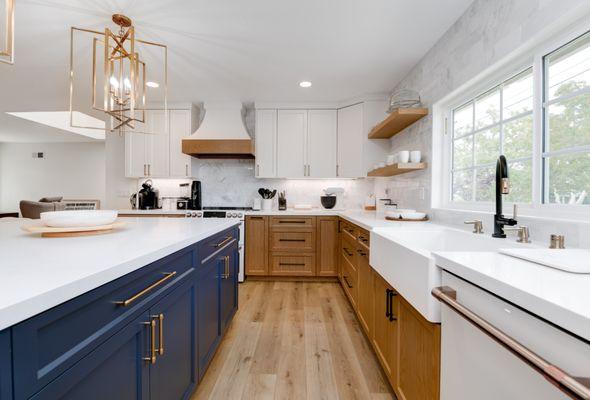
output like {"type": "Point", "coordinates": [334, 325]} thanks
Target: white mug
{"type": "Point", "coordinates": [403, 156]}
{"type": "Point", "coordinates": [415, 156]}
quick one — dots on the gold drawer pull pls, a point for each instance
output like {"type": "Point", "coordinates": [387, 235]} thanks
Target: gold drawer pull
{"type": "Point", "coordinates": [167, 276]}
{"type": "Point", "coordinates": [161, 338]}
{"type": "Point", "coordinates": [152, 356]}
{"type": "Point", "coordinates": [226, 273]}
{"type": "Point", "coordinates": [224, 242]}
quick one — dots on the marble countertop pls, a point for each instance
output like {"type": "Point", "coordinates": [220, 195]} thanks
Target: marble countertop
{"type": "Point", "coordinates": [40, 273]}
{"type": "Point", "coordinates": [557, 296]}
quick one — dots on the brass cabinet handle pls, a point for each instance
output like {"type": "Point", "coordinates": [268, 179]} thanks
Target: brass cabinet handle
{"type": "Point", "coordinates": [346, 280]}
{"type": "Point", "coordinates": [186, 169]}
{"type": "Point", "coordinates": [144, 169]}
{"type": "Point", "coordinates": [226, 267]}
{"type": "Point", "coordinates": [125, 303]}
{"type": "Point", "coordinates": [152, 356]}
{"type": "Point", "coordinates": [161, 335]}
{"type": "Point", "coordinates": [224, 241]}
{"type": "Point", "coordinates": [574, 387]}
{"type": "Point", "coordinates": [149, 169]}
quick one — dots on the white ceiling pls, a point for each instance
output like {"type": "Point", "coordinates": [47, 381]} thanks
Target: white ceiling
{"type": "Point", "coordinates": [255, 50]}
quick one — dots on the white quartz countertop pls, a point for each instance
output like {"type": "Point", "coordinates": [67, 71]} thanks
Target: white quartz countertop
{"type": "Point", "coordinates": [157, 212]}
{"type": "Point", "coordinates": [40, 273]}
{"type": "Point", "coordinates": [365, 219]}
{"type": "Point", "coordinates": [562, 298]}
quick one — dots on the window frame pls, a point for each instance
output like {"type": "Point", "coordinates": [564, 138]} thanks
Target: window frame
{"type": "Point", "coordinates": [530, 56]}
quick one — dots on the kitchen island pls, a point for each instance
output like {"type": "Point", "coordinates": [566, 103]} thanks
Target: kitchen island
{"type": "Point", "coordinates": [143, 307]}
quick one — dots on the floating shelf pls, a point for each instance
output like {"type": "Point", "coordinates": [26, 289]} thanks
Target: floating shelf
{"type": "Point", "coordinates": [396, 122]}
{"type": "Point", "coordinates": [397, 169]}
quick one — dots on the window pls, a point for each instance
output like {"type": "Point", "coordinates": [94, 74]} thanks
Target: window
{"type": "Point", "coordinates": [499, 121]}
{"type": "Point", "coordinates": [544, 134]}
{"type": "Point", "coordinates": [566, 110]}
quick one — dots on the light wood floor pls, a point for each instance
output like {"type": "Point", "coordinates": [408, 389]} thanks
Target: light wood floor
{"type": "Point", "coordinates": [294, 340]}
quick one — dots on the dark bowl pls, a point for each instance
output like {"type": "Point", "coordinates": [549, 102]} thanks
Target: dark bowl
{"type": "Point", "coordinates": [328, 201]}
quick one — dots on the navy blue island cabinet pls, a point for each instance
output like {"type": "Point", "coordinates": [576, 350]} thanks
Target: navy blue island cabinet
{"type": "Point", "coordinates": [150, 334]}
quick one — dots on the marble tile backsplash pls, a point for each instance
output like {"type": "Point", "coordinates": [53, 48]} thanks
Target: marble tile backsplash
{"type": "Point", "coordinates": [232, 183]}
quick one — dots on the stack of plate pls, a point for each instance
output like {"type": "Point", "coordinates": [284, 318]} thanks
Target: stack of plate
{"type": "Point", "coordinates": [404, 98]}
{"type": "Point", "coordinates": [74, 223]}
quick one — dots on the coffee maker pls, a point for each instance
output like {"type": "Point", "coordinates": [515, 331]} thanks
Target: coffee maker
{"type": "Point", "coordinates": [195, 199]}
{"type": "Point", "coordinates": [147, 198]}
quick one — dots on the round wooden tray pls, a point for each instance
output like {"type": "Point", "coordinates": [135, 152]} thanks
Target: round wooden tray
{"type": "Point", "coordinates": [47, 231]}
{"type": "Point", "coordinates": [406, 220]}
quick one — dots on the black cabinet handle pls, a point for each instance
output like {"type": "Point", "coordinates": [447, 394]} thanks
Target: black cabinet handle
{"type": "Point", "coordinates": [387, 304]}
{"type": "Point", "coordinates": [346, 280]}
{"type": "Point", "coordinates": [348, 253]}
{"type": "Point", "coordinates": [390, 295]}
{"type": "Point", "coordinates": [291, 240]}
{"type": "Point", "coordinates": [362, 253]}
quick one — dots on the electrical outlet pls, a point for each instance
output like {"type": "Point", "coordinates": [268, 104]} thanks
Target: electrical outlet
{"type": "Point", "coordinates": [38, 155]}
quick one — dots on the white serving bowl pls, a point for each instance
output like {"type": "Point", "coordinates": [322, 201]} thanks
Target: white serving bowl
{"type": "Point", "coordinates": [78, 218]}
{"type": "Point", "coordinates": [413, 215]}
{"type": "Point", "coordinates": [397, 213]}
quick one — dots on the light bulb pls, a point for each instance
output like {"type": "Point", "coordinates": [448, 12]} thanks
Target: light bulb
{"type": "Point", "coordinates": [114, 82]}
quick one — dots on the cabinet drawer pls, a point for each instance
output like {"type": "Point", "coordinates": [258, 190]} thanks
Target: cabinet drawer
{"type": "Point", "coordinates": [350, 279]}
{"type": "Point", "coordinates": [216, 243]}
{"type": "Point", "coordinates": [348, 250]}
{"type": "Point", "coordinates": [299, 223]}
{"type": "Point", "coordinates": [46, 345]}
{"type": "Point", "coordinates": [292, 265]}
{"type": "Point", "coordinates": [289, 241]}
{"type": "Point", "coordinates": [349, 231]}
{"type": "Point", "coordinates": [364, 237]}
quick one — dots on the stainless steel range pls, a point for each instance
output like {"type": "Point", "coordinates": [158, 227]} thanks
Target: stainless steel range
{"type": "Point", "coordinates": [237, 213]}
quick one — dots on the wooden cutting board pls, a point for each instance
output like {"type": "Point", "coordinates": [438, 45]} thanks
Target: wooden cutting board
{"type": "Point", "coordinates": [47, 231]}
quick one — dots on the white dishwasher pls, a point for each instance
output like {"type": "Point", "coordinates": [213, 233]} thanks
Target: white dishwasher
{"type": "Point", "coordinates": [491, 349]}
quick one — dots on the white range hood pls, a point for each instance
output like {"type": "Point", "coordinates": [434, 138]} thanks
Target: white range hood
{"type": "Point", "coordinates": [221, 134]}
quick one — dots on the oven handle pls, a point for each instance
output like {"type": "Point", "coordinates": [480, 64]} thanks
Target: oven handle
{"type": "Point", "coordinates": [574, 387]}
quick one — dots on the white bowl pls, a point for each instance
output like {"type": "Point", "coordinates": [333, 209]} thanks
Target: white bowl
{"type": "Point", "coordinates": [397, 213]}
{"type": "Point", "coordinates": [77, 218]}
{"type": "Point", "coordinates": [413, 215]}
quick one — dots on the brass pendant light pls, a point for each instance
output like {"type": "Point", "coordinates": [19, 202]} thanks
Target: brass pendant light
{"type": "Point", "coordinates": [7, 38]}
{"type": "Point", "coordinates": [120, 87]}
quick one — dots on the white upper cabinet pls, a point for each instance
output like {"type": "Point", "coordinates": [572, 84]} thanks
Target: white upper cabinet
{"type": "Point", "coordinates": [266, 144]}
{"type": "Point", "coordinates": [350, 141]}
{"type": "Point", "coordinates": [157, 150]}
{"type": "Point", "coordinates": [321, 143]}
{"type": "Point", "coordinates": [158, 142]}
{"type": "Point", "coordinates": [292, 144]}
{"type": "Point", "coordinates": [180, 128]}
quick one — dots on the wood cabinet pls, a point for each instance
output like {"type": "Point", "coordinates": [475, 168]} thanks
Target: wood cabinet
{"type": "Point", "coordinates": [384, 335]}
{"type": "Point", "coordinates": [327, 246]}
{"type": "Point", "coordinates": [406, 344]}
{"type": "Point", "coordinates": [256, 245]}
{"type": "Point", "coordinates": [154, 149]}
{"type": "Point", "coordinates": [266, 144]}
{"type": "Point", "coordinates": [292, 264]}
{"type": "Point", "coordinates": [418, 364]}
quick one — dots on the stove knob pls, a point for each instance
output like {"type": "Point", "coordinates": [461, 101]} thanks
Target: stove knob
{"type": "Point", "coordinates": [194, 214]}
{"type": "Point", "coordinates": [199, 214]}
{"type": "Point", "coordinates": [233, 215]}
{"type": "Point", "coordinates": [240, 215]}
{"type": "Point", "coordinates": [188, 215]}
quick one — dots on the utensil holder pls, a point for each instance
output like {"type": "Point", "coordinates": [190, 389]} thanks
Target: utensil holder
{"type": "Point", "coordinates": [267, 204]}
{"type": "Point", "coordinates": [282, 204]}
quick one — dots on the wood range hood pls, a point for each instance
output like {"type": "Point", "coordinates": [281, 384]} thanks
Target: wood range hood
{"type": "Point", "coordinates": [221, 134]}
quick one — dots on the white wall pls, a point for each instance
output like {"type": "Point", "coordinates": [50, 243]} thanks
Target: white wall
{"type": "Point", "coordinates": [72, 170]}
{"type": "Point", "coordinates": [488, 32]}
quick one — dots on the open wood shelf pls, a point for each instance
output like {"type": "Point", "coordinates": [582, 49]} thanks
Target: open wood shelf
{"type": "Point", "coordinates": [397, 169]}
{"type": "Point", "coordinates": [396, 122]}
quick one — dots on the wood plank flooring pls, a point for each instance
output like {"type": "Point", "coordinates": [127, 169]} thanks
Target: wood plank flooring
{"type": "Point", "coordinates": [294, 340]}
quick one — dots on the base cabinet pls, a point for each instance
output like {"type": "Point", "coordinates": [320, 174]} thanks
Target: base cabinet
{"type": "Point", "coordinates": [256, 242]}
{"type": "Point", "coordinates": [385, 330]}
{"type": "Point", "coordinates": [115, 370]}
{"type": "Point", "coordinates": [147, 335]}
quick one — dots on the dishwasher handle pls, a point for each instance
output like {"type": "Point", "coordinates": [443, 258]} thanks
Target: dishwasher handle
{"type": "Point", "coordinates": [576, 388]}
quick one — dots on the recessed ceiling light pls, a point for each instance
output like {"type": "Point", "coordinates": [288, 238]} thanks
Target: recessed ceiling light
{"type": "Point", "coordinates": [152, 84]}
{"type": "Point", "coordinates": [305, 84]}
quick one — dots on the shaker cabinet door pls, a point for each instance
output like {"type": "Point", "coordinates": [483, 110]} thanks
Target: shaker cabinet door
{"type": "Point", "coordinates": [266, 143]}
{"type": "Point", "coordinates": [158, 150]}
{"type": "Point", "coordinates": [229, 287]}
{"type": "Point", "coordinates": [173, 375]}
{"type": "Point", "coordinates": [115, 370]}
{"type": "Point", "coordinates": [135, 155]}
{"type": "Point", "coordinates": [180, 128]}
{"type": "Point", "coordinates": [292, 143]}
{"type": "Point", "coordinates": [322, 137]}
{"type": "Point", "coordinates": [350, 142]}
{"type": "Point", "coordinates": [208, 326]}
